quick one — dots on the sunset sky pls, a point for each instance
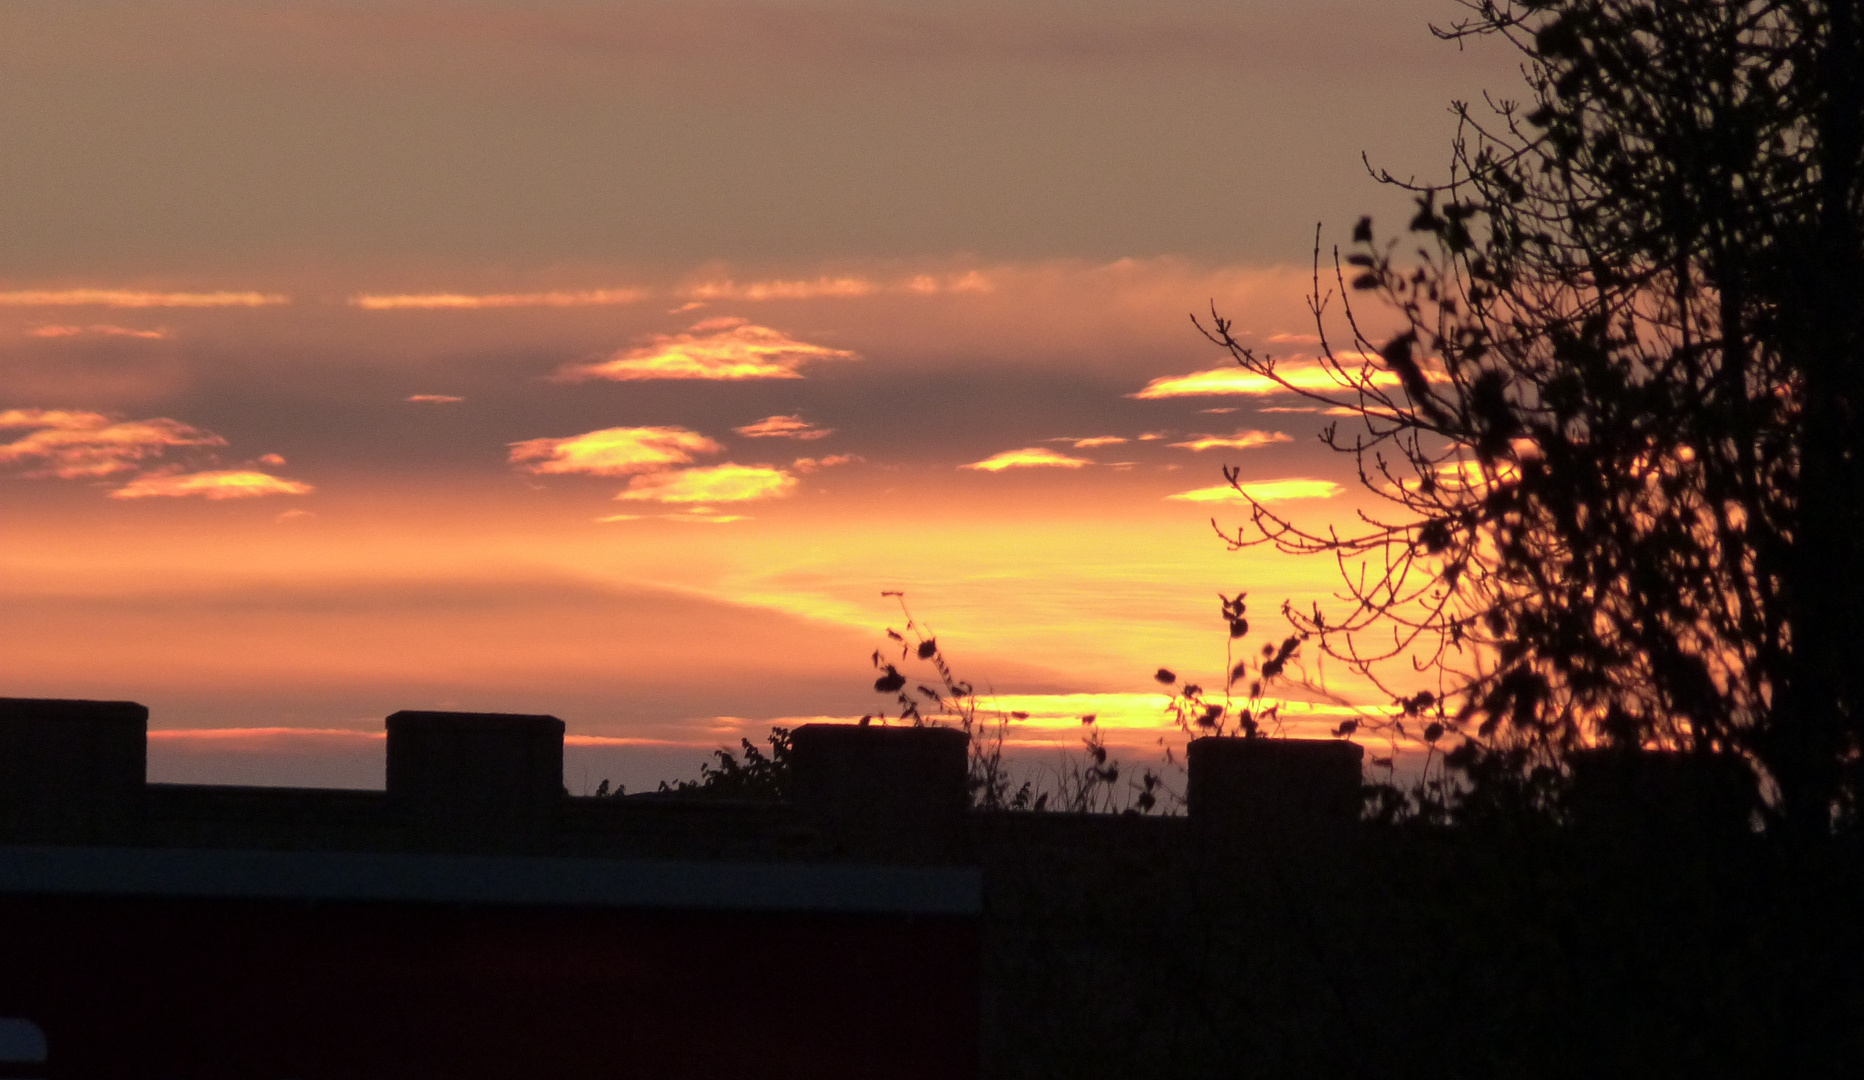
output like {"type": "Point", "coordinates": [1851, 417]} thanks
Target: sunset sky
{"type": "Point", "coordinates": [611, 359]}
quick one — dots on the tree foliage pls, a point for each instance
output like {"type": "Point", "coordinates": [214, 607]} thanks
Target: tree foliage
{"type": "Point", "coordinates": [1618, 433]}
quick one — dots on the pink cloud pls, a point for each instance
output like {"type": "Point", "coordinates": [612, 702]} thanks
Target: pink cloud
{"type": "Point", "coordinates": [473, 301]}
{"type": "Point", "coordinates": [134, 298]}
{"type": "Point", "coordinates": [97, 330]}
{"type": "Point", "coordinates": [805, 465]}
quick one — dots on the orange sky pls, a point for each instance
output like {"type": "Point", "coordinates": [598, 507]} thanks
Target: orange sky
{"type": "Point", "coordinates": [377, 431]}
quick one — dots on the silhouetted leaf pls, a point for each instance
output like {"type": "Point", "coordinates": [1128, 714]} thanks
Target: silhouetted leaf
{"type": "Point", "coordinates": [1165, 676]}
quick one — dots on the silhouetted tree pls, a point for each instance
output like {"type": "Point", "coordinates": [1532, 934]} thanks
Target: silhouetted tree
{"type": "Point", "coordinates": [1619, 432]}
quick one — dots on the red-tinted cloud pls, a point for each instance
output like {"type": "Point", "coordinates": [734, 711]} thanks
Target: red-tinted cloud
{"type": "Point", "coordinates": [783, 427]}
{"type": "Point", "coordinates": [73, 444]}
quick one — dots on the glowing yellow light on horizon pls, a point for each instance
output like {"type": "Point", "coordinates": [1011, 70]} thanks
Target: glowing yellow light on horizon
{"type": "Point", "coordinates": [1263, 491]}
{"type": "Point", "coordinates": [1236, 380]}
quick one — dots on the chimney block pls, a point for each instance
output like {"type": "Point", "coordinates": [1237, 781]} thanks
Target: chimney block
{"type": "Point", "coordinates": [1253, 788]}
{"type": "Point", "coordinates": [896, 792]}
{"type": "Point", "coordinates": [476, 780]}
{"type": "Point", "coordinates": [71, 771]}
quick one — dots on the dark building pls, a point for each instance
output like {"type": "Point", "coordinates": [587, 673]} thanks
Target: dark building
{"type": "Point", "coordinates": [474, 921]}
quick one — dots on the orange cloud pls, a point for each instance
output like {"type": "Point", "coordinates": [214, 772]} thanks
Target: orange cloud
{"type": "Point", "coordinates": [837, 287]}
{"type": "Point", "coordinates": [1235, 380]}
{"type": "Point", "coordinates": [725, 483]}
{"type": "Point", "coordinates": [469, 301]}
{"type": "Point", "coordinates": [215, 484]}
{"type": "Point", "coordinates": [1030, 457]}
{"type": "Point", "coordinates": [72, 444]}
{"type": "Point", "coordinates": [99, 330]}
{"type": "Point", "coordinates": [783, 290]}
{"type": "Point", "coordinates": [705, 516]}
{"type": "Point", "coordinates": [612, 451]}
{"type": "Point", "coordinates": [1097, 440]}
{"type": "Point", "coordinates": [806, 465]}
{"type": "Point", "coordinates": [784, 427]}
{"type": "Point", "coordinates": [129, 298]}
{"type": "Point", "coordinates": [1263, 491]}
{"type": "Point", "coordinates": [1242, 440]}
{"type": "Point", "coordinates": [433, 399]}
{"type": "Point", "coordinates": [713, 349]}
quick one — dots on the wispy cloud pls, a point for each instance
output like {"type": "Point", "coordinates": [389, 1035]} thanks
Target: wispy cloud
{"type": "Point", "coordinates": [807, 465]}
{"type": "Point", "coordinates": [213, 484]}
{"type": "Point", "coordinates": [1242, 440]}
{"type": "Point", "coordinates": [469, 301]}
{"type": "Point", "coordinates": [1235, 380]}
{"type": "Point", "coordinates": [625, 451]}
{"type": "Point", "coordinates": [131, 298]}
{"type": "Point", "coordinates": [704, 516]}
{"type": "Point", "coordinates": [1263, 491]}
{"type": "Point", "coordinates": [1097, 440]}
{"type": "Point", "coordinates": [727, 483]}
{"type": "Point", "coordinates": [1029, 457]}
{"type": "Point", "coordinates": [820, 288]}
{"type": "Point", "coordinates": [433, 399]}
{"type": "Point", "coordinates": [784, 427]}
{"type": "Point", "coordinates": [96, 330]}
{"type": "Point", "coordinates": [782, 290]}
{"type": "Point", "coordinates": [73, 444]}
{"type": "Point", "coordinates": [714, 349]}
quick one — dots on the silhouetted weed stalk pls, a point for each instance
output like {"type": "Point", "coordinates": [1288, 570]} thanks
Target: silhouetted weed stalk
{"type": "Point", "coordinates": [1089, 783]}
{"type": "Point", "coordinates": [1446, 781]}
